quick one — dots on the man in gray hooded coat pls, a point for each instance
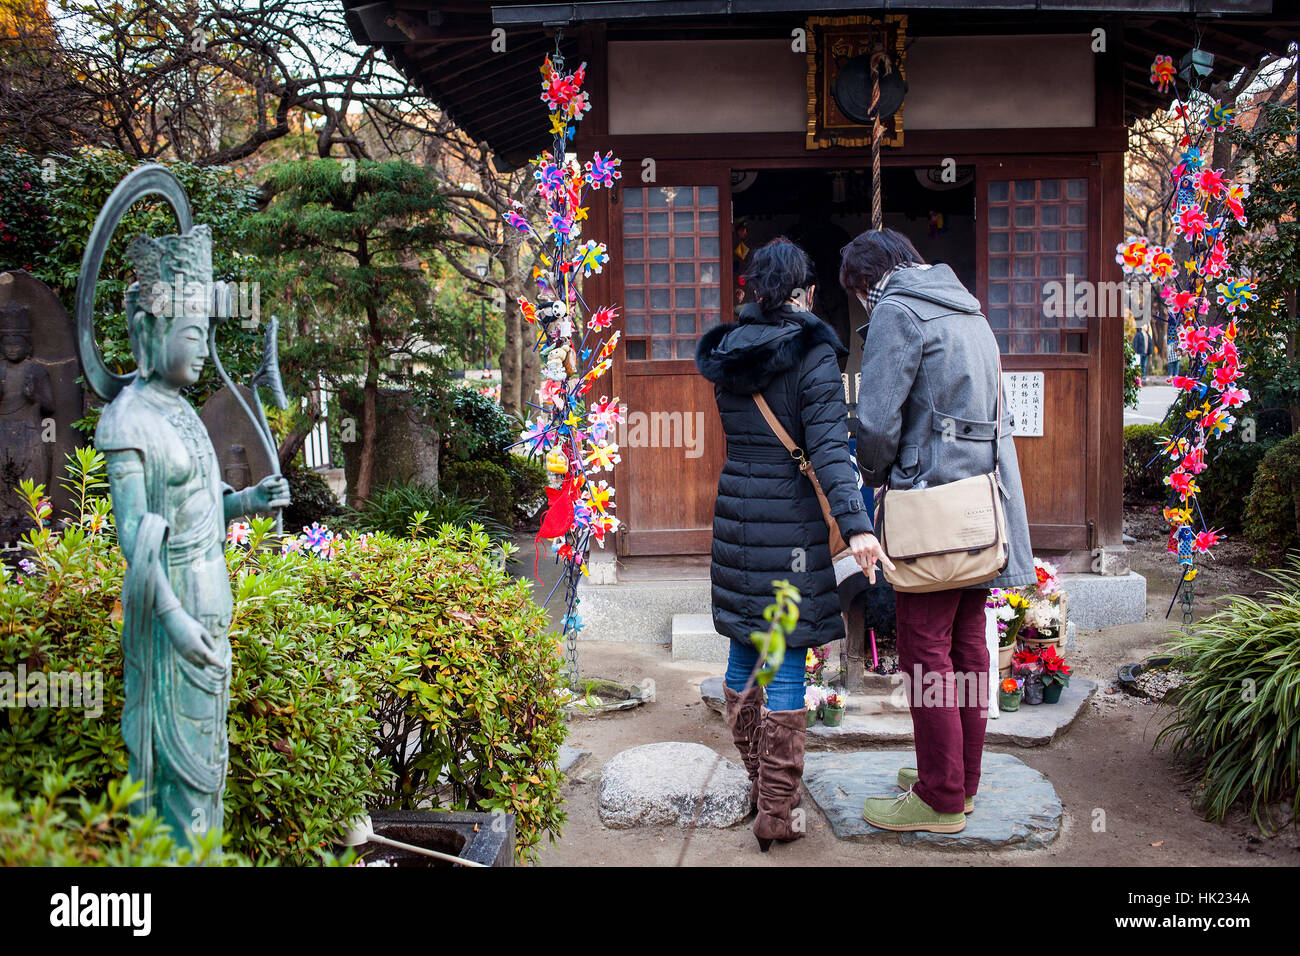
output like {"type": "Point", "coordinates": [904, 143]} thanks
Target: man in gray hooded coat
{"type": "Point", "coordinates": [930, 380]}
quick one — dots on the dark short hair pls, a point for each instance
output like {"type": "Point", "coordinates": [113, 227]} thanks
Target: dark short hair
{"type": "Point", "coordinates": [776, 269]}
{"type": "Point", "coordinates": [871, 255]}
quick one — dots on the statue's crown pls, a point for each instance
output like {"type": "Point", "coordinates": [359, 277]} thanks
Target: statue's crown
{"type": "Point", "coordinates": [187, 256]}
{"type": "Point", "coordinates": [15, 317]}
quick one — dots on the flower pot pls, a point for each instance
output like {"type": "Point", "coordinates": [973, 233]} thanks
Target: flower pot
{"type": "Point", "coordinates": [832, 716]}
{"type": "Point", "coordinates": [1052, 693]}
{"type": "Point", "coordinates": [812, 718]}
{"type": "Point", "coordinates": [1008, 701]}
{"type": "Point", "coordinates": [1033, 690]}
{"type": "Point", "coordinates": [1004, 656]}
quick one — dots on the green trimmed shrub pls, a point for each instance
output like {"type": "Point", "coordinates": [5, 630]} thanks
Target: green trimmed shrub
{"type": "Point", "coordinates": [299, 725]}
{"type": "Point", "coordinates": [53, 829]}
{"type": "Point", "coordinates": [1234, 721]}
{"type": "Point", "coordinates": [1143, 478]}
{"type": "Point", "coordinates": [486, 479]}
{"type": "Point", "coordinates": [1272, 517]}
{"type": "Point", "coordinates": [465, 672]}
{"type": "Point", "coordinates": [408, 672]}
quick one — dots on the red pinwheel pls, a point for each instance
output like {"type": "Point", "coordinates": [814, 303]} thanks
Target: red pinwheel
{"type": "Point", "coordinates": [1190, 222]}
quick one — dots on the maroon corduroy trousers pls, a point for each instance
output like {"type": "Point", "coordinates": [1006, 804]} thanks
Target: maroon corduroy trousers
{"type": "Point", "coordinates": [945, 662]}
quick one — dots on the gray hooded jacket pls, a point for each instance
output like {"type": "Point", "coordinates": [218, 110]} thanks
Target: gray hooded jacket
{"type": "Point", "coordinates": [926, 413]}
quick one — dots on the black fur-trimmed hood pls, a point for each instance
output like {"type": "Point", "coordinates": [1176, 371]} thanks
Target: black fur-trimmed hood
{"type": "Point", "coordinates": [744, 356]}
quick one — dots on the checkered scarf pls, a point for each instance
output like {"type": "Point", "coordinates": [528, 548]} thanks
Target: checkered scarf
{"type": "Point", "coordinates": [877, 291]}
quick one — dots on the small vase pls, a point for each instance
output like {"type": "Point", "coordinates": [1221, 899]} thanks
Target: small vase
{"type": "Point", "coordinates": [832, 716]}
{"type": "Point", "coordinates": [1033, 690]}
{"type": "Point", "coordinates": [812, 718]}
{"type": "Point", "coordinates": [1008, 701]}
{"type": "Point", "coordinates": [1052, 693]}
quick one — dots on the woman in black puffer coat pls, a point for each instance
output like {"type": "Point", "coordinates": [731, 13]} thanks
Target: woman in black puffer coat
{"type": "Point", "coordinates": [767, 524]}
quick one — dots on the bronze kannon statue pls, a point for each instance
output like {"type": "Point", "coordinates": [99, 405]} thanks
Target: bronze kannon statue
{"type": "Point", "coordinates": [171, 509]}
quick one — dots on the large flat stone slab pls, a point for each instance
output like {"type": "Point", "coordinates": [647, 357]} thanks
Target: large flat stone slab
{"type": "Point", "coordinates": [681, 784]}
{"type": "Point", "coordinates": [1016, 805]}
{"type": "Point", "coordinates": [1035, 726]}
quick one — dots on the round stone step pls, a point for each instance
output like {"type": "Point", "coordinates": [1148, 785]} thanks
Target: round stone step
{"type": "Point", "coordinates": [672, 783]}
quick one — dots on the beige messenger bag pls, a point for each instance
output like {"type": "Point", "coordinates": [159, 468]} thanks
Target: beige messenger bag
{"type": "Point", "coordinates": [947, 536]}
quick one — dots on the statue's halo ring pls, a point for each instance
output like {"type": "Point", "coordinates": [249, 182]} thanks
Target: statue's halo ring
{"type": "Point", "coordinates": [152, 179]}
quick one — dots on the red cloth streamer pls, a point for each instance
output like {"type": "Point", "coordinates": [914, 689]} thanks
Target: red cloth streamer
{"type": "Point", "coordinates": [558, 518]}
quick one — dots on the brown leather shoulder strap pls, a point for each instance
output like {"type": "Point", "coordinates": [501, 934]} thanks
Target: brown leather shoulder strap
{"type": "Point", "coordinates": [777, 428]}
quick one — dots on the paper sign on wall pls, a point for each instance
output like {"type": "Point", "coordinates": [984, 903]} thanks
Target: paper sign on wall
{"type": "Point", "coordinates": [1023, 393]}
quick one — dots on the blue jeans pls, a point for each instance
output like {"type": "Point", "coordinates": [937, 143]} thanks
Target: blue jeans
{"type": "Point", "coordinates": [785, 692]}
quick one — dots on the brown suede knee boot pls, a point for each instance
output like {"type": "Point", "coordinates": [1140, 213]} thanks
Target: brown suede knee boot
{"type": "Point", "coordinates": [780, 771]}
{"type": "Point", "coordinates": [743, 720]}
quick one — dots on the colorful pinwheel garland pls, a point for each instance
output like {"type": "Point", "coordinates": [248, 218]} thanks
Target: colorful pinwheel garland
{"type": "Point", "coordinates": [1200, 304]}
{"type": "Point", "coordinates": [577, 440]}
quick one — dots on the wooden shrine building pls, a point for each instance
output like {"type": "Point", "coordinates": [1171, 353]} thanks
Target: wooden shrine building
{"type": "Point", "coordinates": [1005, 160]}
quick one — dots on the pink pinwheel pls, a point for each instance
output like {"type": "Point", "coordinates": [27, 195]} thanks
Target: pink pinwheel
{"type": "Point", "coordinates": [602, 171]}
{"type": "Point", "coordinates": [1195, 339]}
{"type": "Point", "coordinates": [1181, 482]}
{"type": "Point", "coordinates": [518, 221]}
{"type": "Point", "coordinates": [1183, 382]}
{"type": "Point", "coordinates": [1210, 182]}
{"type": "Point", "coordinates": [1223, 377]}
{"type": "Point", "coordinates": [601, 318]}
{"type": "Point", "coordinates": [1217, 263]}
{"type": "Point", "coordinates": [1183, 302]}
{"type": "Point", "coordinates": [1194, 461]}
{"type": "Point", "coordinates": [605, 411]}
{"type": "Point", "coordinates": [1235, 200]}
{"type": "Point", "coordinates": [1162, 72]}
{"type": "Point", "coordinates": [238, 533]}
{"type": "Point", "coordinates": [1190, 222]}
{"type": "Point", "coordinates": [1234, 397]}
{"type": "Point", "coordinates": [1205, 541]}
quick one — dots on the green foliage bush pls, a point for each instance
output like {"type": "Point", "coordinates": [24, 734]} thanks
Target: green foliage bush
{"type": "Point", "coordinates": [486, 479]}
{"type": "Point", "coordinates": [310, 498]}
{"type": "Point", "coordinates": [1272, 517]}
{"type": "Point", "coordinates": [1235, 719]}
{"type": "Point", "coordinates": [527, 484]}
{"type": "Point", "coordinates": [464, 672]}
{"type": "Point", "coordinates": [1143, 478]}
{"type": "Point", "coordinates": [415, 672]}
{"type": "Point", "coordinates": [478, 428]}
{"type": "Point", "coordinates": [54, 829]}
{"type": "Point", "coordinates": [298, 720]}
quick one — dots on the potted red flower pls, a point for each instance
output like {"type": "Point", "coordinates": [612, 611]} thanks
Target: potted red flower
{"type": "Point", "coordinates": [1056, 674]}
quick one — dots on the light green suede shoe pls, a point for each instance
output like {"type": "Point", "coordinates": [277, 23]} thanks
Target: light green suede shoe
{"type": "Point", "coordinates": [908, 776]}
{"type": "Point", "coordinates": [910, 812]}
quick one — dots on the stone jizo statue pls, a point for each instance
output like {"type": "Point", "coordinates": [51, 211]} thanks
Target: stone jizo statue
{"type": "Point", "coordinates": [26, 399]}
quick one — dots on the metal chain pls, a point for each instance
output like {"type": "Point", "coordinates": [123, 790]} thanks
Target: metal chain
{"type": "Point", "coordinates": [1188, 597]}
